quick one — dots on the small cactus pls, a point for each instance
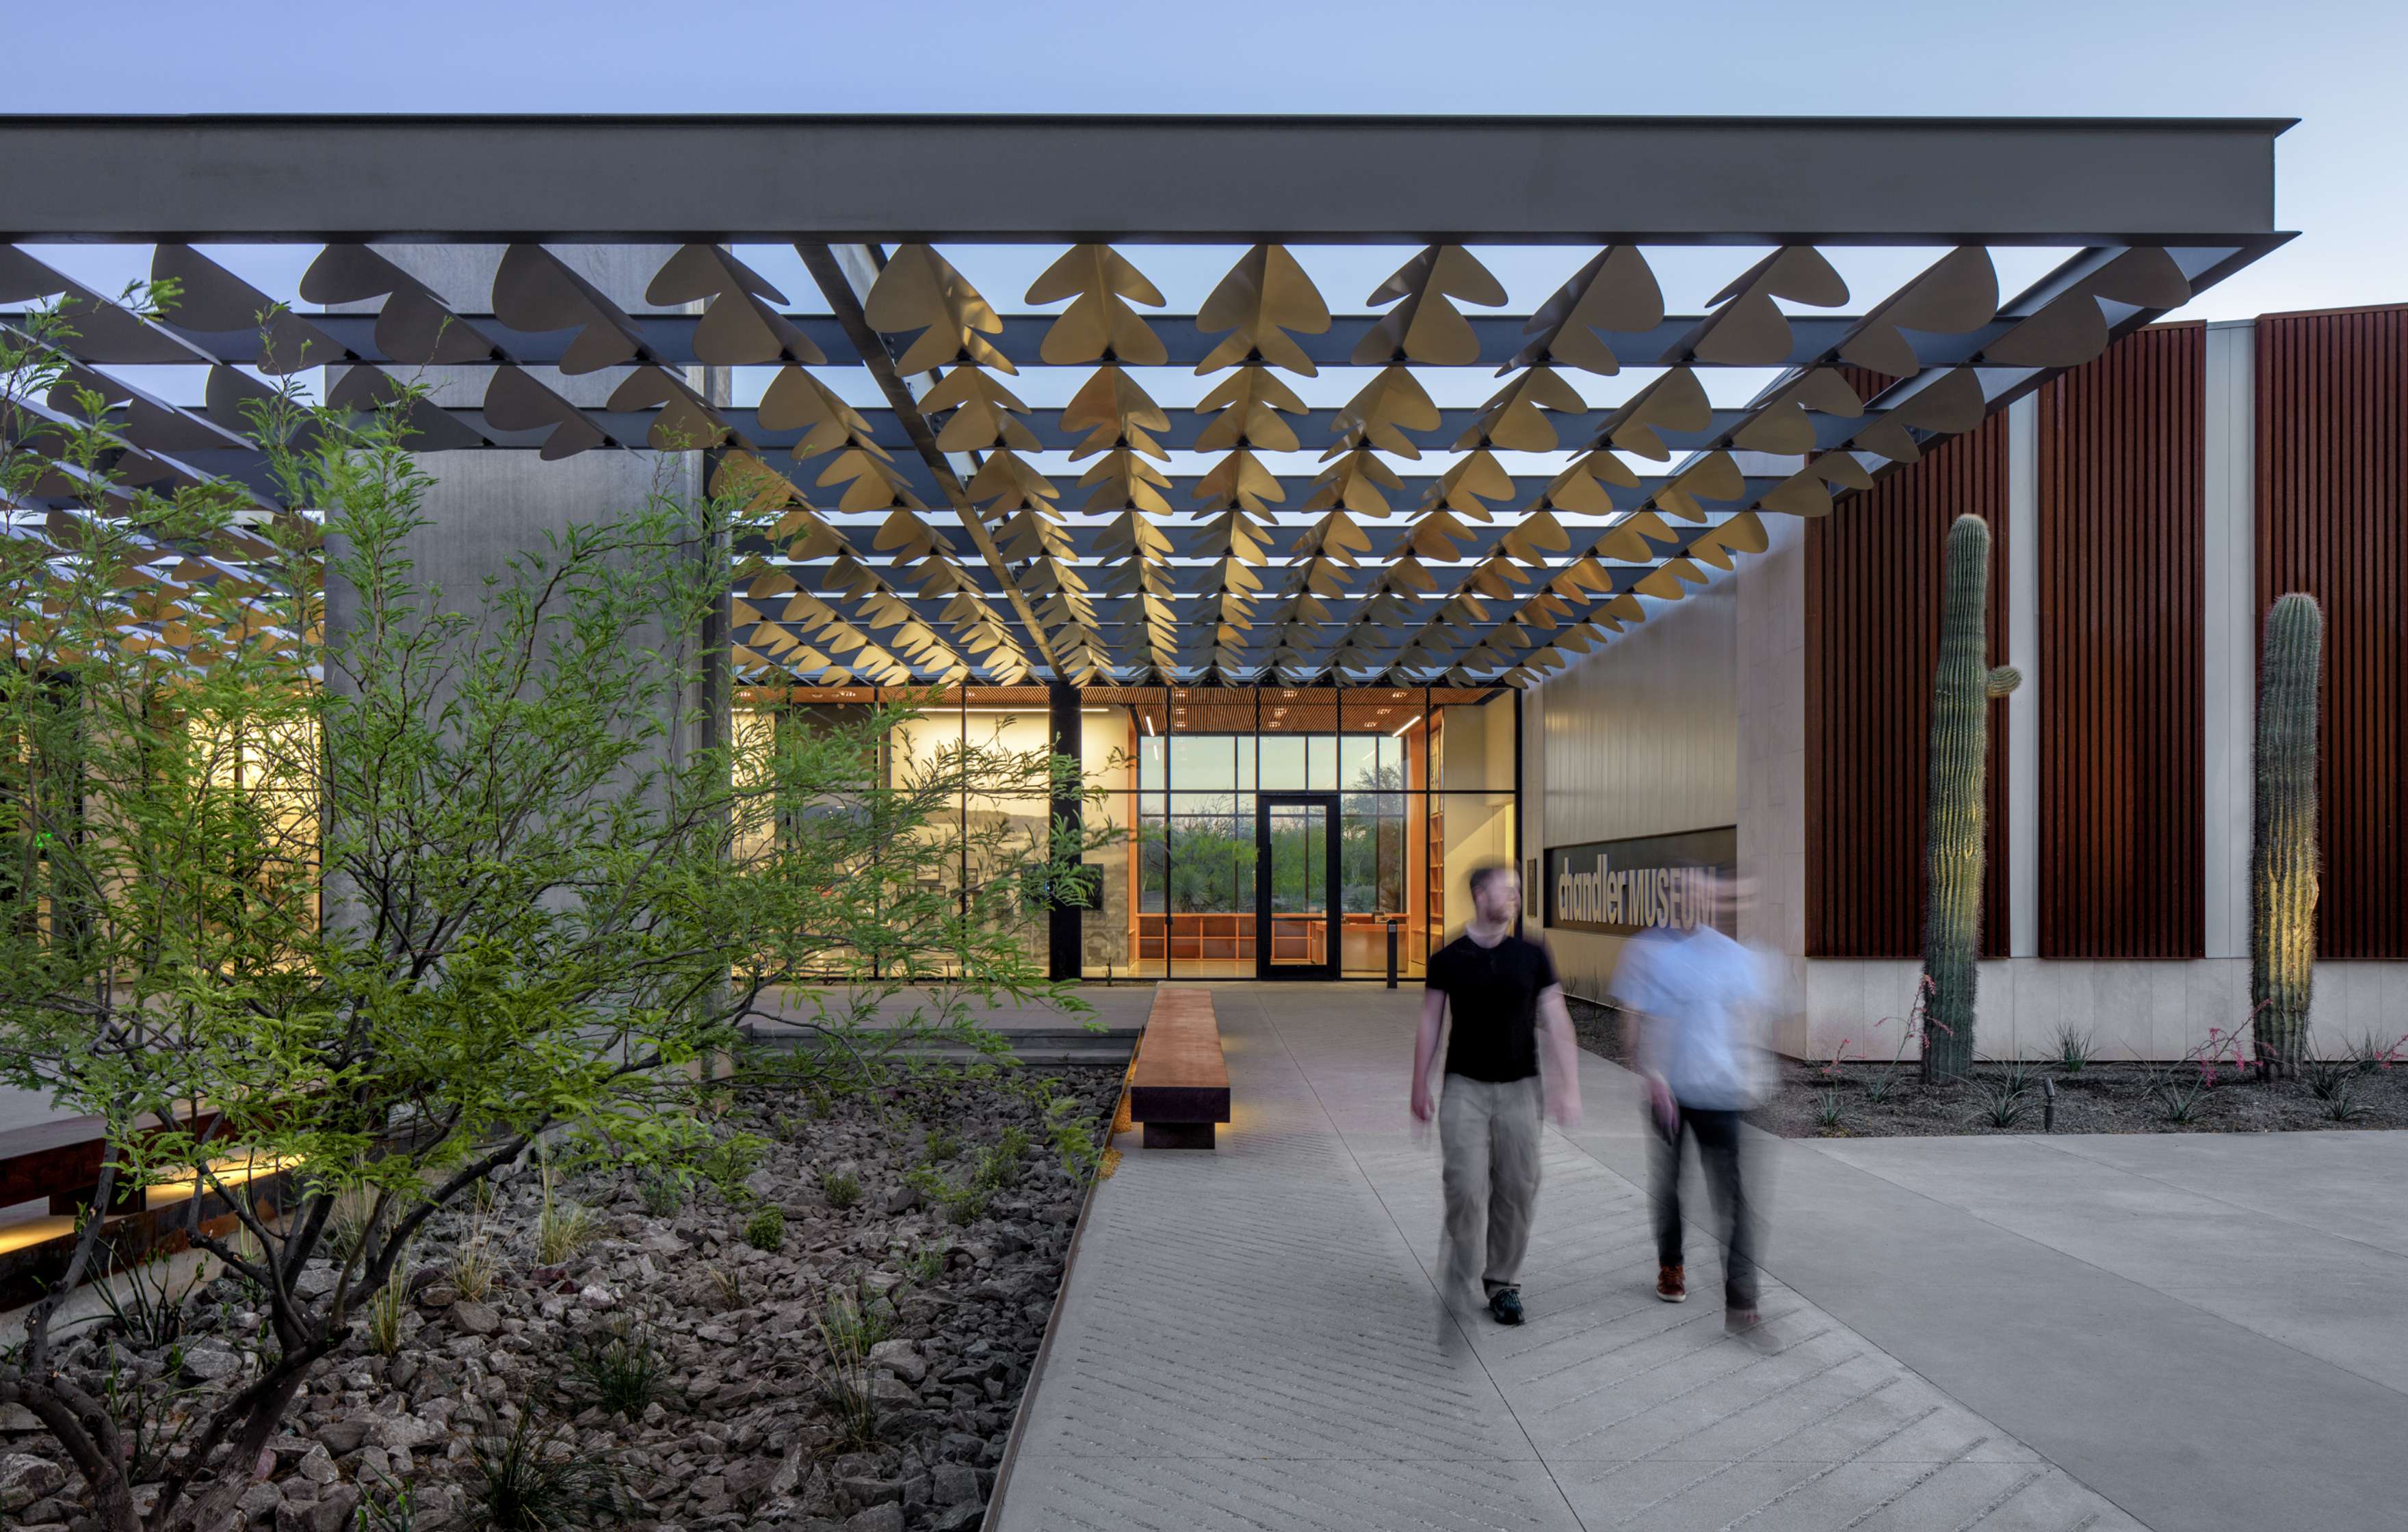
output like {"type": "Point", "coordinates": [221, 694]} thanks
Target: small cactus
{"type": "Point", "coordinates": [1955, 845]}
{"type": "Point", "coordinates": [2283, 835]}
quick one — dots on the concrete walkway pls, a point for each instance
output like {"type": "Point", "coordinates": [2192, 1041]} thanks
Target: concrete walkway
{"type": "Point", "coordinates": [2177, 1333]}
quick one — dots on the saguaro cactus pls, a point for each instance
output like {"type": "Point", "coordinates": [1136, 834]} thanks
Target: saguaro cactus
{"type": "Point", "coordinates": [1954, 843]}
{"type": "Point", "coordinates": [2282, 833]}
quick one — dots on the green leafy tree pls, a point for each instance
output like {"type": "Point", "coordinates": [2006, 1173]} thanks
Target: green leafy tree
{"type": "Point", "coordinates": [385, 902]}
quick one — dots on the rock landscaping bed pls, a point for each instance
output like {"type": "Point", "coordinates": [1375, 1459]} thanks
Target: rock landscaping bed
{"type": "Point", "coordinates": [2098, 1098]}
{"type": "Point", "coordinates": [835, 1336]}
{"type": "Point", "coordinates": [1877, 1100]}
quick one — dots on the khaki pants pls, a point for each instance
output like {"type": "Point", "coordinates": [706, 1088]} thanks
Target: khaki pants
{"type": "Point", "coordinates": [1488, 1140]}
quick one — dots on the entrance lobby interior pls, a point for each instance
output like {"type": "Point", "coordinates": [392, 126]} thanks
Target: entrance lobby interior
{"type": "Point", "coordinates": [1254, 832]}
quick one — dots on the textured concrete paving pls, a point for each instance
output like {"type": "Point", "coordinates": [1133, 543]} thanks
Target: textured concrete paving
{"type": "Point", "coordinates": [2211, 1329]}
{"type": "Point", "coordinates": [1251, 1340]}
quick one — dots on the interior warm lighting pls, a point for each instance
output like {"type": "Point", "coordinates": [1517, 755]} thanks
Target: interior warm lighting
{"type": "Point", "coordinates": [1147, 719]}
{"type": "Point", "coordinates": [32, 1232]}
{"type": "Point", "coordinates": [229, 1173]}
{"type": "Point", "coordinates": [1407, 725]}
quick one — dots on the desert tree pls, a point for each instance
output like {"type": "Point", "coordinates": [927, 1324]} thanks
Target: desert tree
{"type": "Point", "coordinates": [332, 921]}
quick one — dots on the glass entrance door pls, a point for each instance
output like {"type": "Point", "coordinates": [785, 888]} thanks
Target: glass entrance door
{"type": "Point", "coordinates": [1296, 885]}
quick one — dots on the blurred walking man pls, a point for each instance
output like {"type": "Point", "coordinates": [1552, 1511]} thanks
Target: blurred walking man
{"type": "Point", "coordinates": [1504, 993]}
{"type": "Point", "coordinates": [1699, 997]}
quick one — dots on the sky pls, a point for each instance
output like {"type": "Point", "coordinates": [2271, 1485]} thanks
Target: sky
{"type": "Point", "coordinates": [2341, 66]}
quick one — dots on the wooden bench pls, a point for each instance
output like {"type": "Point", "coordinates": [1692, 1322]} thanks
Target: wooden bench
{"type": "Point", "coordinates": [1180, 1087]}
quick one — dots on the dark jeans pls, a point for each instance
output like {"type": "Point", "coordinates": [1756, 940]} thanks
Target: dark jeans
{"type": "Point", "coordinates": [1718, 1155]}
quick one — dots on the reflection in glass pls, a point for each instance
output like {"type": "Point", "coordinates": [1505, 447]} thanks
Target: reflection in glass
{"type": "Point", "coordinates": [1298, 835]}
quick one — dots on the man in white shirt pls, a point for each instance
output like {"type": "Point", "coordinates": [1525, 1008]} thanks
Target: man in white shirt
{"type": "Point", "coordinates": [1698, 998]}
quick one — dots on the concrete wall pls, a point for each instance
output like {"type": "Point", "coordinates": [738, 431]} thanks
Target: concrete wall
{"type": "Point", "coordinates": [485, 507]}
{"type": "Point", "coordinates": [1639, 737]}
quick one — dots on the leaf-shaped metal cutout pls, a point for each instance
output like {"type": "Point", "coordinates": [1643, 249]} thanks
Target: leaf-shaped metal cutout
{"type": "Point", "coordinates": [983, 416]}
{"type": "Point", "coordinates": [738, 329]}
{"type": "Point", "coordinates": [1749, 330]}
{"type": "Point", "coordinates": [1514, 418]}
{"type": "Point", "coordinates": [683, 420]}
{"type": "Point", "coordinates": [1358, 481]}
{"type": "Point", "coordinates": [1957, 293]}
{"type": "Point", "coordinates": [1425, 326]}
{"type": "Point", "coordinates": [1714, 477]}
{"type": "Point", "coordinates": [536, 290]}
{"type": "Point", "coordinates": [211, 298]}
{"type": "Point", "coordinates": [1476, 479]}
{"type": "Point", "coordinates": [796, 401]}
{"type": "Point", "coordinates": [515, 401]}
{"type": "Point", "coordinates": [1249, 401]}
{"type": "Point", "coordinates": [1674, 402]}
{"type": "Point", "coordinates": [1006, 481]}
{"type": "Point", "coordinates": [1121, 478]}
{"type": "Point", "coordinates": [1941, 403]}
{"type": "Point", "coordinates": [1581, 486]}
{"type": "Point", "coordinates": [1263, 297]}
{"type": "Point", "coordinates": [1114, 410]}
{"type": "Point", "coordinates": [918, 290]}
{"type": "Point", "coordinates": [367, 390]}
{"type": "Point", "coordinates": [1779, 423]}
{"type": "Point", "coordinates": [1129, 535]}
{"type": "Point", "coordinates": [1536, 535]}
{"type": "Point", "coordinates": [1616, 292]}
{"type": "Point", "coordinates": [1381, 412]}
{"type": "Point", "coordinates": [1239, 479]}
{"type": "Point", "coordinates": [1099, 324]}
{"type": "Point", "coordinates": [872, 483]}
{"type": "Point", "coordinates": [1808, 492]}
{"type": "Point", "coordinates": [2071, 329]}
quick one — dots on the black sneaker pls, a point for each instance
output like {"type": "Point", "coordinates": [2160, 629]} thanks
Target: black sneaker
{"type": "Point", "coordinates": [1506, 1305]}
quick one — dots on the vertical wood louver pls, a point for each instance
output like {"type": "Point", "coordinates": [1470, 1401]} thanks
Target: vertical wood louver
{"type": "Point", "coordinates": [2332, 489]}
{"type": "Point", "coordinates": [1872, 640]}
{"type": "Point", "coordinates": [2122, 745]}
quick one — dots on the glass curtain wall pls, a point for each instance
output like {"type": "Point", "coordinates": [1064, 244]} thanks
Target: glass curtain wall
{"type": "Point", "coordinates": [1421, 780]}
{"type": "Point", "coordinates": [1184, 768]}
{"type": "Point", "coordinates": [985, 832]}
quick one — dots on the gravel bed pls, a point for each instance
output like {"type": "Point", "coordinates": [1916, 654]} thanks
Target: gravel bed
{"type": "Point", "coordinates": [2113, 1097]}
{"type": "Point", "coordinates": [744, 1432]}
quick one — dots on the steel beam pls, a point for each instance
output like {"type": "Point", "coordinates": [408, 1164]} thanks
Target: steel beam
{"type": "Point", "coordinates": [1379, 179]}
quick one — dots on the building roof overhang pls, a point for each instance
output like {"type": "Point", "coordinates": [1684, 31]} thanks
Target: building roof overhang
{"type": "Point", "coordinates": [1323, 499]}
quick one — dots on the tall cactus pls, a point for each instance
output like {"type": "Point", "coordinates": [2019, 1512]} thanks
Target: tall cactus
{"type": "Point", "coordinates": [1954, 848]}
{"type": "Point", "coordinates": [2282, 833]}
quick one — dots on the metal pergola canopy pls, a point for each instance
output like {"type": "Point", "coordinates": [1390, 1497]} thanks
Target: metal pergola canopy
{"type": "Point", "coordinates": [1081, 480]}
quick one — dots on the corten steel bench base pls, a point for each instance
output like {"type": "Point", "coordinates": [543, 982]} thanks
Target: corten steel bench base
{"type": "Point", "coordinates": [1180, 1087]}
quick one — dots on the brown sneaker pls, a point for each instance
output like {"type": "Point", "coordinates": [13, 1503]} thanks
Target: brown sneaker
{"type": "Point", "coordinates": [1671, 1285]}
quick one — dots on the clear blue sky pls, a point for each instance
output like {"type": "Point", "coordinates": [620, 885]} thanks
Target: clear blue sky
{"type": "Point", "coordinates": [2340, 65]}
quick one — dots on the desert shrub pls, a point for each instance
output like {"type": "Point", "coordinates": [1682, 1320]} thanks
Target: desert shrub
{"type": "Point", "coordinates": [2074, 1048]}
{"type": "Point", "coordinates": [623, 1370]}
{"type": "Point", "coordinates": [536, 1478]}
{"type": "Point", "coordinates": [766, 1229]}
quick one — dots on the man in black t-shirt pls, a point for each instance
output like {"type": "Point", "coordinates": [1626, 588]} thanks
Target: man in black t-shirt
{"type": "Point", "coordinates": [1505, 995]}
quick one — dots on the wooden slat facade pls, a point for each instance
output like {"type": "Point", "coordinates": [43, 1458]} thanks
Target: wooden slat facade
{"type": "Point", "coordinates": [2121, 493]}
{"type": "Point", "coordinates": [2332, 492]}
{"type": "Point", "coordinates": [1874, 582]}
